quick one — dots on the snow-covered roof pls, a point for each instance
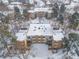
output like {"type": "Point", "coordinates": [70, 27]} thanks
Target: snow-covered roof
{"type": "Point", "coordinates": [75, 0]}
{"type": "Point", "coordinates": [21, 36]}
{"type": "Point", "coordinates": [31, 1]}
{"type": "Point", "coordinates": [48, 2]}
{"type": "Point", "coordinates": [23, 31]}
{"type": "Point", "coordinates": [58, 35]}
{"type": "Point", "coordinates": [15, 3]}
{"type": "Point", "coordinates": [40, 30]}
{"type": "Point", "coordinates": [40, 10]}
{"type": "Point", "coordinates": [40, 3]}
{"type": "Point", "coordinates": [5, 1]}
{"type": "Point", "coordinates": [65, 1]}
{"type": "Point", "coordinates": [12, 6]}
{"type": "Point", "coordinates": [31, 11]}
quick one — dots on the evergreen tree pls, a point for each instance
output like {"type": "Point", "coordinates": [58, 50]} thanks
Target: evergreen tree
{"type": "Point", "coordinates": [25, 12]}
{"type": "Point", "coordinates": [56, 6]}
{"type": "Point", "coordinates": [60, 19]}
{"type": "Point", "coordinates": [55, 12]}
{"type": "Point", "coordinates": [74, 20]}
{"type": "Point", "coordinates": [17, 13]}
{"type": "Point", "coordinates": [73, 37]}
{"type": "Point", "coordinates": [62, 8]}
{"type": "Point", "coordinates": [75, 16]}
{"type": "Point", "coordinates": [16, 9]}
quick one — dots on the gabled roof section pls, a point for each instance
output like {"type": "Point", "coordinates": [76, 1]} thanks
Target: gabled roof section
{"type": "Point", "coordinates": [40, 30]}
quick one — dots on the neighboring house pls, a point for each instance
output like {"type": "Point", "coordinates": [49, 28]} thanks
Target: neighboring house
{"type": "Point", "coordinates": [22, 42]}
{"type": "Point", "coordinates": [6, 2]}
{"type": "Point", "coordinates": [17, 4]}
{"type": "Point", "coordinates": [58, 37]}
{"type": "Point", "coordinates": [75, 0]}
{"type": "Point", "coordinates": [65, 1]}
{"type": "Point", "coordinates": [31, 1]}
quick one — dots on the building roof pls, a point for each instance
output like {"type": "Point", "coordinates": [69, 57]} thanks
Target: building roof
{"type": "Point", "coordinates": [40, 10]}
{"type": "Point", "coordinates": [21, 36]}
{"type": "Point", "coordinates": [40, 3]}
{"type": "Point", "coordinates": [58, 35]}
{"type": "Point", "coordinates": [48, 2]}
{"type": "Point", "coordinates": [76, 0]}
{"type": "Point", "coordinates": [16, 3]}
{"type": "Point", "coordinates": [40, 30]}
{"type": "Point", "coordinates": [5, 1]}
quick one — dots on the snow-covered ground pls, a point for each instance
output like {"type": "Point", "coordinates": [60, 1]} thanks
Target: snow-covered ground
{"type": "Point", "coordinates": [40, 51]}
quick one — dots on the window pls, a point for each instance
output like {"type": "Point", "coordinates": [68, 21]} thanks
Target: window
{"type": "Point", "coordinates": [28, 37]}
